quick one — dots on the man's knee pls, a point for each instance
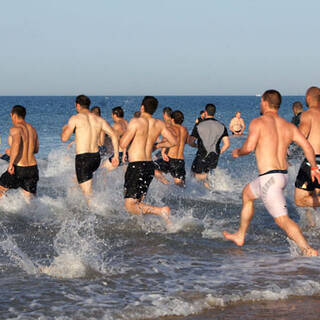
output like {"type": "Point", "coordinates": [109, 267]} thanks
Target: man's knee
{"type": "Point", "coordinates": [282, 221]}
{"type": "Point", "coordinates": [130, 204]}
{"type": "Point", "coordinates": [247, 194]}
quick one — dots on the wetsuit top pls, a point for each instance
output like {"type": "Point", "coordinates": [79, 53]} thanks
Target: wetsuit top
{"type": "Point", "coordinates": [209, 133]}
{"type": "Point", "coordinates": [296, 119]}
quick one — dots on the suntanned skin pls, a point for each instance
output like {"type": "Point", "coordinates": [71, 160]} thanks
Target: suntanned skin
{"type": "Point", "coordinates": [175, 152]}
{"type": "Point", "coordinates": [310, 128]}
{"type": "Point", "coordinates": [120, 126]}
{"type": "Point", "coordinates": [24, 144]}
{"type": "Point", "coordinates": [270, 137]}
{"type": "Point", "coordinates": [87, 135]}
{"type": "Point", "coordinates": [142, 133]}
{"type": "Point", "coordinates": [202, 177]}
{"type": "Point", "coordinates": [237, 124]}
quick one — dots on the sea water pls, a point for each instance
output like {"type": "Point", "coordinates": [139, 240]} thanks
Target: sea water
{"type": "Point", "coordinates": [60, 259]}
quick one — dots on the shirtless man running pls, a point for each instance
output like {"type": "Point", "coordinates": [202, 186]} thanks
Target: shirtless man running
{"type": "Point", "coordinates": [120, 126]}
{"type": "Point", "coordinates": [141, 135]}
{"type": "Point", "coordinates": [270, 136]}
{"type": "Point", "coordinates": [173, 160]}
{"type": "Point", "coordinates": [306, 191]}
{"type": "Point", "coordinates": [24, 144]}
{"type": "Point", "coordinates": [88, 127]}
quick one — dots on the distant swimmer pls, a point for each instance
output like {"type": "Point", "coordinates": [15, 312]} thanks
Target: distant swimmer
{"type": "Point", "coordinates": [24, 144]}
{"type": "Point", "coordinates": [173, 159]}
{"type": "Point", "coordinates": [120, 126]}
{"type": "Point", "coordinates": [88, 127]}
{"type": "Point", "coordinates": [307, 189]}
{"type": "Point", "coordinates": [208, 133]}
{"type": "Point", "coordinates": [270, 136]}
{"type": "Point", "coordinates": [297, 109]}
{"type": "Point", "coordinates": [237, 125]}
{"type": "Point", "coordinates": [202, 117]}
{"type": "Point", "coordinates": [141, 135]}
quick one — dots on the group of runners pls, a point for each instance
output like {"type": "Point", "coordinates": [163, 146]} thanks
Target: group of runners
{"type": "Point", "coordinates": [135, 141]}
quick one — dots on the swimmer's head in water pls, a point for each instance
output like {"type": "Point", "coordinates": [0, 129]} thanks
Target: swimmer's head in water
{"type": "Point", "coordinates": [19, 111]}
{"type": "Point", "coordinates": [83, 101]}
{"type": "Point", "coordinates": [272, 98]}
{"type": "Point", "coordinates": [177, 117]}
{"type": "Point", "coordinates": [149, 104]}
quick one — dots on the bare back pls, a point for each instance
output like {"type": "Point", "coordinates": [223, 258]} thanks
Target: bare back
{"type": "Point", "coordinates": [27, 138]}
{"type": "Point", "coordinates": [120, 128]}
{"type": "Point", "coordinates": [310, 127]}
{"type": "Point", "coordinates": [142, 133]}
{"type": "Point", "coordinates": [88, 131]}
{"type": "Point", "coordinates": [177, 151]}
{"type": "Point", "coordinates": [274, 135]}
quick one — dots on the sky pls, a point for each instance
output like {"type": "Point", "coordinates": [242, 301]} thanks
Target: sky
{"type": "Point", "coordinates": [166, 47]}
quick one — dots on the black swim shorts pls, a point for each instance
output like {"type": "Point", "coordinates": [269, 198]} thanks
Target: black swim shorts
{"type": "Point", "coordinates": [86, 165]}
{"type": "Point", "coordinates": [204, 164]}
{"type": "Point", "coordinates": [23, 177]}
{"type": "Point", "coordinates": [176, 167]}
{"type": "Point", "coordinates": [304, 180]}
{"type": "Point", "coordinates": [137, 179]}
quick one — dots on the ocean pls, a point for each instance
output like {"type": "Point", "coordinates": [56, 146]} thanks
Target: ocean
{"type": "Point", "coordinates": [103, 263]}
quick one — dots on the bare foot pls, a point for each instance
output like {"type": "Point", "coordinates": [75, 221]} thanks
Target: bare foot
{"type": "Point", "coordinates": [238, 240]}
{"type": "Point", "coordinates": [310, 252]}
{"type": "Point", "coordinates": [165, 214]}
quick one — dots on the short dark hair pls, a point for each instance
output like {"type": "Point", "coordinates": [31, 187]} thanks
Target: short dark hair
{"type": "Point", "coordinates": [150, 104]}
{"type": "Point", "coordinates": [83, 100]}
{"type": "Point", "coordinates": [118, 111]}
{"type": "Point", "coordinates": [297, 105]}
{"type": "Point", "coordinates": [273, 97]}
{"type": "Point", "coordinates": [20, 111]}
{"type": "Point", "coordinates": [137, 114]}
{"type": "Point", "coordinates": [168, 111]}
{"type": "Point", "coordinates": [202, 112]}
{"type": "Point", "coordinates": [211, 109]}
{"type": "Point", "coordinates": [177, 117]}
{"type": "Point", "coordinates": [96, 110]}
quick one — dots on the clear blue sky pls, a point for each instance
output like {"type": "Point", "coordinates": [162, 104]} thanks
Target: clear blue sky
{"type": "Point", "coordinates": [164, 47]}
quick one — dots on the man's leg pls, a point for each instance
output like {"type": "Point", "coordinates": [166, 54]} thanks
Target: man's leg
{"type": "Point", "coordinates": [293, 231]}
{"type": "Point", "coordinates": [137, 207]}
{"type": "Point", "coordinates": [247, 213]}
{"type": "Point", "coordinates": [3, 191]}
{"type": "Point", "coordinates": [179, 182]}
{"type": "Point", "coordinates": [304, 198]}
{"type": "Point", "coordinates": [159, 175]}
{"type": "Point", "coordinates": [86, 188]}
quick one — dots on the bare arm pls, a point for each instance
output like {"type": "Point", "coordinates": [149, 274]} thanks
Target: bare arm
{"type": "Point", "coordinates": [128, 136]}
{"type": "Point", "coordinates": [191, 141]}
{"type": "Point", "coordinates": [226, 144]}
{"type": "Point", "coordinates": [169, 139]}
{"type": "Point", "coordinates": [231, 125]}
{"type": "Point", "coordinates": [250, 144]}
{"type": "Point", "coordinates": [305, 124]}
{"type": "Point", "coordinates": [36, 146]}
{"type": "Point", "coordinates": [242, 125]}
{"type": "Point", "coordinates": [14, 150]}
{"type": "Point", "coordinates": [68, 129]}
{"type": "Point", "coordinates": [299, 139]}
{"type": "Point", "coordinates": [115, 141]}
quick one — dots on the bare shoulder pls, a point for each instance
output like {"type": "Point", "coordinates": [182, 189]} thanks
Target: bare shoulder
{"type": "Point", "coordinates": [15, 130]}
